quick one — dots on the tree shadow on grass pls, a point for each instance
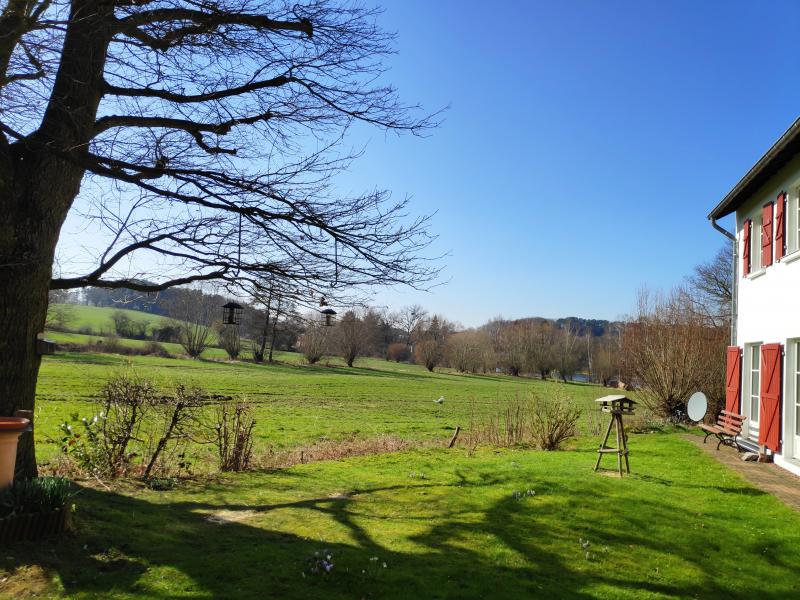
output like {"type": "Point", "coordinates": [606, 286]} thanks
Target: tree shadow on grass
{"type": "Point", "coordinates": [126, 546]}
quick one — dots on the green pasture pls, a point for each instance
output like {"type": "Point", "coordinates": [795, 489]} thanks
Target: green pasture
{"type": "Point", "coordinates": [97, 320]}
{"type": "Point", "coordinates": [297, 403]}
{"type": "Point", "coordinates": [445, 524]}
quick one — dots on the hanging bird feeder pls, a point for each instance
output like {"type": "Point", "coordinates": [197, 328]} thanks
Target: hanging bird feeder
{"type": "Point", "coordinates": [232, 313]}
{"type": "Point", "coordinates": [328, 316]}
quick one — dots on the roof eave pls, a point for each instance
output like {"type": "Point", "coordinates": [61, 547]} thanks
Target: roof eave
{"type": "Point", "coordinates": [776, 157]}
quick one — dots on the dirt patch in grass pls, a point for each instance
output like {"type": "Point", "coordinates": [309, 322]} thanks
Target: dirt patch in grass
{"type": "Point", "coordinates": [338, 449]}
{"type": "Point", "coordinates": [27, 581]}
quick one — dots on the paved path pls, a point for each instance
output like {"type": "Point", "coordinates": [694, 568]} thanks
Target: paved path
{"type": "Point", "coordinates": [765, 476]}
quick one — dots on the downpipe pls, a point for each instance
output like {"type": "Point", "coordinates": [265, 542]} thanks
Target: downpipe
{"type": "Point", "coordinates": [735, 286]}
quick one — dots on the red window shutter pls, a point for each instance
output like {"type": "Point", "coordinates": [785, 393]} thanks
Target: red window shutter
{"type": "Point", "coordinates": [769, 419]}
{"type": "Point", "coordinates": [766, 234]}
{"type": "Point", "coordinates": [748, 225]}
{"type": "Point", "coordinates": [780, 226]}
{"type": "Point", "coordinates": [733, 379]}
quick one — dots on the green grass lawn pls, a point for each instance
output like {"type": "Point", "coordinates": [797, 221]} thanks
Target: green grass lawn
{"type": "Point", "coordinates": [446, 525]}
{"type": "Point", "coordinates": [296, 403]}
{"type": "Point", "coordinates": [97, 319]}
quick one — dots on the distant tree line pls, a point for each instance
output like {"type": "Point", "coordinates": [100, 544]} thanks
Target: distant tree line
{"type": "Point", "coordinates": [276, 317]}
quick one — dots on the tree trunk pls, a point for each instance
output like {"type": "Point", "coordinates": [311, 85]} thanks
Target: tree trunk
{"type": "Point", "coordinates": [39, 179]}
{"type": "Point", "coordinates": [29, 227]}
{"type": "Point", "coordinates": [272, 341]}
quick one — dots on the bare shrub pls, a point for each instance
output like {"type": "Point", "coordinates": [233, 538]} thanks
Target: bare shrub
{"type": "Point", "coordinates": [553, 421]}
{"type": "Point", "coordinates": [155, 349]}
{"type": "Point", "coordinates": [126, 399]}
{"type": "Point", "coordinates": [673, 351]}
{"type": "Point", "coordinates": [177, 419]}
{"type": "Point", "coordinates": [136, 431]}
{"type": "Point", "coordinates": [313, 343]}
{"type": "Point", "coordinates": [544, 422]}
{"type": "Point", "coordinates": [504, 427]}
{"type": "Point", "coordinates": [233, 435]}
{"type": "Point", "coordinates": [398, 352]}
{"type": "Point", "coordinates": [351, 337]}
{"type": "Point", "coordinates": [230, 341]}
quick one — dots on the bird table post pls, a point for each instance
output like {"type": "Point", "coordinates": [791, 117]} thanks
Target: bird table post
{"type": "Point", "coordinates": [617, 406]}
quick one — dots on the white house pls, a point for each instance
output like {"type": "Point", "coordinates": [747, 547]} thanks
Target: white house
{"type": "Point", "coordinates": [763, 369]}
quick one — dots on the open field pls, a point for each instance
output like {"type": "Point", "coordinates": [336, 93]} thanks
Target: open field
{"type": "Point", "coordinates": [296, 403]}
{"type": "Point", "coordinates": [445, 524]}
{"type": "Point", "coordinates": [500, 523]}
{"type": "Point", "coordinates": [97, 319]}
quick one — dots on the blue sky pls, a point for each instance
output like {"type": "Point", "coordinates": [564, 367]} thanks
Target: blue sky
{"type": "Point", "coordinates": [585, 144]}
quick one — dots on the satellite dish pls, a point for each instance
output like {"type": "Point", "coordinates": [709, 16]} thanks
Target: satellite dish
{"type": "Point", "coordinates": [697, 406]}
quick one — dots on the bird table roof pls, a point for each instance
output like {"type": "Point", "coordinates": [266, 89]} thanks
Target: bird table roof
{"type": "Point", "coordinates": [615, 398]}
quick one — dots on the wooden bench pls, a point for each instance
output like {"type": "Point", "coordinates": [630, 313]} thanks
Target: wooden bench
{"type": "Point", "coordinates": [727, 429]}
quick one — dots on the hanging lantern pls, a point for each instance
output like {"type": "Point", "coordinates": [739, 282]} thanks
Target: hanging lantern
{"type": "Point", "coordinates": [232, 313]}
{"type": "Point", "coordinates": [328, 315]}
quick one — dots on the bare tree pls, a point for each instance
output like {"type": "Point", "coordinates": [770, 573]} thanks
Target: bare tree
{"type": "Point", "coordinates": [197, 141]}
{"type": "Point", "coordinates": [467, 351]}
{"type": "Point", "coordinates": [568, 351]}
{"type": "Point", "coordinates": [314, 342]}
{"type": "Point", "coordinates": [710, 287]}
{"type": "Point", "coordinates": [543, 358]}
{"type": "Point", "coordinates": [351, 337]}
{"type": "Point", "coordinates": [408, 319]}
{"type": "Point", "coordinates": [193, 314]}
{"type": "Point", "coordinates": [515, 343]}
{"type": "Point", "coordinates": [430, 341]}
{"type": "Point", "coordinates": [673, 352]}
{"type": "Point", "coordinates": [274, 294]}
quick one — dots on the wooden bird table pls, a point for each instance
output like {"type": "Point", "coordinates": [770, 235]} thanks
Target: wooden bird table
{"type": "Point", "coordinates": [617, 406]}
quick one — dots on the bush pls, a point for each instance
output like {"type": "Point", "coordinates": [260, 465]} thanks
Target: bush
{"type": "Point", "coordinates": [398, 352]}
{"type": "Point", "coordinates": [167, 333]}
{"type": "Point", "coordinates": [176, 420]}
{"type": "Point", "coordinates": [126, 327]}
{"type": "Point", "coordinates": [313, 343]}
{"type": "Point", "coordinates": [233, 435]}
{"type": "Point", "coordinates": [137, 430]}
{"type": "Point", "coordinates": [230, 341]}
{"type": "Point", "coordinates": [41, 495]}
{"type": "Point", "coordinates": [541, 421]}
{"type": "Point", "coordinates": [553, 421]}
{"type": "Point", "coordinates": [156, 349]}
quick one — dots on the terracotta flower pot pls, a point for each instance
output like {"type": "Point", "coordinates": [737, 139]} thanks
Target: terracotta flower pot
{"type": "Point", "coordinates": [10, 430]}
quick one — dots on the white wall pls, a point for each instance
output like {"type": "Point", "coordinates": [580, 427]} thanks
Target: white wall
{"type": "Point", "coordinates": [769, 298]}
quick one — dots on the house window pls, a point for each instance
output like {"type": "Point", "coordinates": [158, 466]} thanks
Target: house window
{"type": "Point", "coordinates": [797, 397]}
{"type": "Point", "coordinates": [793, 222]}
{"type": "Point", "coordinates": [755, 384]}
{"type": "Point", "coordinates": [755, 244]}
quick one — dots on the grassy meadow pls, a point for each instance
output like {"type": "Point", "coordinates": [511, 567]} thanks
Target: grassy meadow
{"type": "Point", "coordinates": [426, 522]}
{"type": "Point", "coordinates": [446, 524]}
{"type": "Point", "coordinates": [298, 404]}
{"type": "Point", "coordinates": [97, 320]}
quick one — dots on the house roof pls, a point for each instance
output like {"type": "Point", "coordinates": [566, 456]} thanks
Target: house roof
{"type": "Point", "coordinates": [781, 152]}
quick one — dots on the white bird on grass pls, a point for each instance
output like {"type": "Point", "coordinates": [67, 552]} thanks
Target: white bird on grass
{"type": "Point", "coordinates": [439, 400]}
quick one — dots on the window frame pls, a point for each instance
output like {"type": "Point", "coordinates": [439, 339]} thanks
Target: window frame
{"type": "Point", "coordinates": [756, 222]}
{"type": "Point", "coordinates": [792, 221]}
{"type": "Point", "coordinates": [753, 423]}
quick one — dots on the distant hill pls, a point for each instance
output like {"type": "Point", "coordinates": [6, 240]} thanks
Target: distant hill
{"type": "Point", "coordinates": [594, 327]}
